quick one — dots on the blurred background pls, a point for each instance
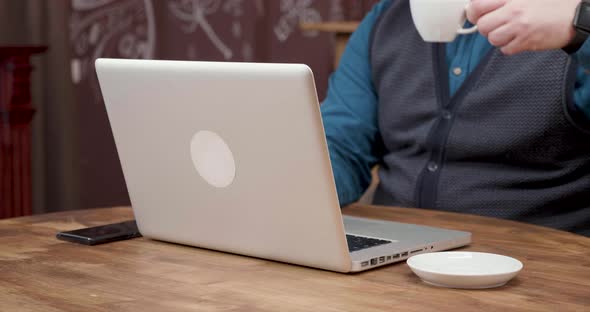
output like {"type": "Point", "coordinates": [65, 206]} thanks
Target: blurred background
{"type": "Point", "coordinates": [57, 151]}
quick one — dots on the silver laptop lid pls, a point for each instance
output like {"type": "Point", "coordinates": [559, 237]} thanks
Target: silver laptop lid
{"type": "Point", "coordinates": [227, 156]}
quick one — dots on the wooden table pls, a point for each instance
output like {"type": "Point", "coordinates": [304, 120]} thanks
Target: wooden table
{"type": "Point", "coordinates": [40, 273]}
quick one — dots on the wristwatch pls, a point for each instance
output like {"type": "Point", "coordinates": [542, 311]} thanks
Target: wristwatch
{"type": "Point", "coordinates": [581, 25]}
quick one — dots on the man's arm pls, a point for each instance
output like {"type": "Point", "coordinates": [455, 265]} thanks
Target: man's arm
{"type": "Point", "coordinates": [349, 114]}
{"type": "Point", "coordinates": [516, 26]}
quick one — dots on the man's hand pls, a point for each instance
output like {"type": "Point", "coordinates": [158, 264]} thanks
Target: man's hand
{"type": "Point", "coordinates": [524, 25]}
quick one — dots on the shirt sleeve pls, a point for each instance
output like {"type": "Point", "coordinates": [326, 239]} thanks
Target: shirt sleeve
{"type": "Point", "coordinates": [349, 114]}
{"type": "Point", "coordinates": [582, 87]}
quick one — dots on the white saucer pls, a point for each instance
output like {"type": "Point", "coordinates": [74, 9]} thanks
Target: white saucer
{"type": "Point", "coordinates": [469, 270]}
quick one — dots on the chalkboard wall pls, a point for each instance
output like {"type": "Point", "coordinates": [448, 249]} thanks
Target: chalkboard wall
{"type": "Point", "coordinates": [219, 30]}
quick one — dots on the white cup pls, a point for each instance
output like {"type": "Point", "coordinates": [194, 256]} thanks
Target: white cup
{"type": "Point", "coordinates": [440, 20]}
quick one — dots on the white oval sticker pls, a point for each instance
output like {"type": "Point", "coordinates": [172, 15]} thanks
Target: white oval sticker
{"type": "Point", "coordinates": [213, 159]}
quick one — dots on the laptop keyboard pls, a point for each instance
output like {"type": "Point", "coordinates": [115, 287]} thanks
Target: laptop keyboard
{"type": "Point", "coordinates": [356, 243]}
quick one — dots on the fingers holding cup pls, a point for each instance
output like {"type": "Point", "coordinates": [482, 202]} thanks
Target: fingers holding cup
{"type": "Point", "coordinates": [476, 9]}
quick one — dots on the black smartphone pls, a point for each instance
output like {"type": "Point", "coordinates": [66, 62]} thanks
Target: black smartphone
{"type": "Point", "coordinates": [101, 234]}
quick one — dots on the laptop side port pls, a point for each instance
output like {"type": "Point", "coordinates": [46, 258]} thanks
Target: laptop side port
{"type": "Point", "coordinates": [374, 261]}
{"type": "Point", "coordinates": [404, 254]}
{"type": "Point", "coordinates": [415, 251]}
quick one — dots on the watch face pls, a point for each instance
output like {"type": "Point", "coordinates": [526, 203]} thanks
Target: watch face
{"type": "Point", "coordinates": [583, 21]}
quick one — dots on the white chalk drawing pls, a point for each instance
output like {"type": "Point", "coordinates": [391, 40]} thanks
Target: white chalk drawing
{"type": "Point", "coordinates": [99, 28]}
{"type": "Point", "coordinates": [247, 52]}
{"type": "Point", "coordinates": [191, 51]}
{"type": "Point", "coordinates": [336, 10]}
{"type": "Point", "coordinates": [82, 5]}
{"type": "Point", "coordinates": [260, 10]}
{"type": "Point", "coordinates": [195, 15]}
{"type": "Point", "coordinates": [293, 13]}
{"type": "Point", "coordinates": [234, 7]}
{"type": "Point", "coordinates": [126, 28]}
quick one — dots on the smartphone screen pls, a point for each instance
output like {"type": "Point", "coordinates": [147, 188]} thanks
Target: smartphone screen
{"type": "Point", "coordinates": [102, 234]}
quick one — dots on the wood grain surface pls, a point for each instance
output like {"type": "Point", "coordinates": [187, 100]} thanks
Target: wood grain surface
{"type": "Point", "coordinates": [333, 27]}
{"type": "Point", "coordinates": [41, 273]}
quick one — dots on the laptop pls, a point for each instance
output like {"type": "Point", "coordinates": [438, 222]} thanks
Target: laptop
{"type": "Point", "coordinates": [233, 157]}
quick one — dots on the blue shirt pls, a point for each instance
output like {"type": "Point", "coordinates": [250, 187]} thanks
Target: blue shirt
{"type": "Point", "coordinates": [350, 109]}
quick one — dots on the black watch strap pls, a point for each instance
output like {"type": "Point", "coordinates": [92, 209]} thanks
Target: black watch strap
{"type": "Point", "coordinates": [581, 33]}
{"type": "Point", "coordinates": [576, 43]}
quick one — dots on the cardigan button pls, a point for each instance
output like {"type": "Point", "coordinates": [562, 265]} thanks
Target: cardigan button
{"type": "Point", "coordinates": [432, 166]}
{"type": "Point", "coordinates": [446, 114]}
